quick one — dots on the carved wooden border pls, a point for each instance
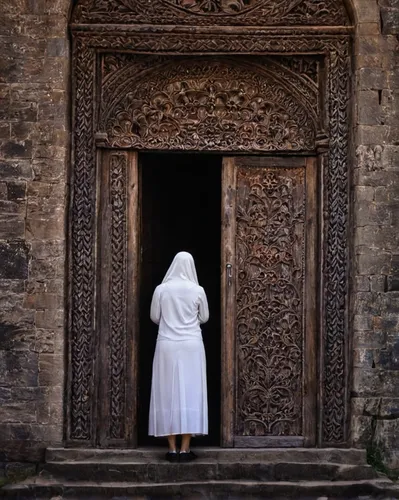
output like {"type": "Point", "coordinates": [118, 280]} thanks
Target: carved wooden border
{"type": "Point", "coordinates": [334, 45]}
{"type": "Point", "coordinates": [118, 296]}
{"type": "Point", "coordinates": [81, 392]}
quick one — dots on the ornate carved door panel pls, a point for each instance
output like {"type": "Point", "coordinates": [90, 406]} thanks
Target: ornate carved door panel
{"type": "Point", "coordinates": [118, 233]}
{"type": "Point", "coordinates": [269, 303]}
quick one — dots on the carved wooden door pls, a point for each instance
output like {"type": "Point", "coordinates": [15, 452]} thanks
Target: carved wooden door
{"type": "Point", "coordinates": [269, 294]}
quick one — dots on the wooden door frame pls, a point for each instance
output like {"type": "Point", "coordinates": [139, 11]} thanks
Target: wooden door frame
{"type": "Point", "coordinates": [118, 314]}
{"type": "Point", "coordinates": [331, 145]}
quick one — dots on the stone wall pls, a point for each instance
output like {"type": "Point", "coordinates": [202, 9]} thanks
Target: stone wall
{"type": "Point", "coordinates": [375, 297]}
{"type": "Point", "coordinates": [34, 148]}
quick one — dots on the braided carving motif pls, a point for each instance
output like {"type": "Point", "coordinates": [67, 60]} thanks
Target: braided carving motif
{"type": "Point", "coordinates": [118, 298]}
{"type": "Point", "coordinates": [82, 251]}
{"type": "Point", "coordinates": [336, 253]}
{"type": "Point", "coordinates": [270, 267]}
{"type": "Point", "coordinates": [212, 105]}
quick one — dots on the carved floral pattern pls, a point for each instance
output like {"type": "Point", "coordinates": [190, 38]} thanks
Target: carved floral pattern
{"type": "Point", "coordinates": [270, 249]}
{"type": "Point", "coordinates": [208, 12]}
{"type": "Point", "coordinates": [215, 106]}
{"type": "Point", "coordinates": [214, 6]}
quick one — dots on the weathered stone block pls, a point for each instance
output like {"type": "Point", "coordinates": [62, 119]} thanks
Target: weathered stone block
{"type": "Point", "coordinates": [16, 190]}
{"type": "Point", "coordinates": [375, 381]}
{"type": "Point", "coordinates": [49, 152]}
{"type": "Point", "coordinates": [390, 303]}
{"type": "Point", "coordinates": [48, 249]}
{"type": "Point", "coordinates": [53, 132]}
{"type": "Point", "coordinates": [378, 283]}
{"type": "Point", "coordinates": [12, 227]}
{"type": "Point", "coordinates": [49, 171]}
{"type": "Point", "coordinates": [373, 214]}
{"type": "Point", "coordinates": [19, 369]}
{"type": "Point", "coordinates": [364, 193]}
{"type": "Point", "coordinates": [49, 319]}
{"type": "Point", "coordinates": [372, 263]}
{"type": "Point", "coordinates": [365, 357]}
{"type": "Point", "coordinates": [57, 47]}
{"type": "Point", "coordinates": [51, 370]}
{"type": "Point", "coordinates": [372, 29]}
{"type": "Point", "coordinates": [362, 322]}
{"type": "Point", "coordinates": [367, 303]}
{"type": "Point", "coordinates": [45, 229]}
{"type": "Point", "coordinates": [367, 44]}
{"type": "Point", "coordinates": [14, 258]}
{"type": "Point", "coordinates": [372, 134]}
{"type": "Point", "coordinates": [17, 207]}
{"type": "Point", "coordinates": [382, 238]}
{"type": "Point", "coordinates": [369, 108]}
{"type": "Point", "coordinates": [361, 433]}
{"type": "Point", "coordinates": [22, 130]}
{"type": "Point", "coordinates": [387, 195]}
{"type": "Point", "coordinates": [16, 169]}
{"type": "Point", "coordinates": [371, 339]}
{"type": "Point", "coordinates": [42, 301]}
{"type": "Point", "coordinates": [369, 158]}
{"type": "Point", "coordinates": [16, 338]}
{"type": "Point", "coordinates": [47, 269]}
{"type": "Point", "coordinates": [362, 284]}
{"type": "Point", "coordinates": [46, 342]}
{"type": "Point", "coordinates": [12, 149]}
{"type": "Point", "coordinates": [18, 70]}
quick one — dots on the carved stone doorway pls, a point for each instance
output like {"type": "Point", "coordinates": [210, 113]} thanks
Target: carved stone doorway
{"type": "Point", "coordinates": [265, 81]}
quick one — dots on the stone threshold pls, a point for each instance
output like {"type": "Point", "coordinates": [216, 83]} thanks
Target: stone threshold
{"type": "Point", "coordinates": [347, 456]}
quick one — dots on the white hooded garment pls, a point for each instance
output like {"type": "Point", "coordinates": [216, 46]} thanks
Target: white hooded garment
{"type": "Point", "coordinates": [178, 393]}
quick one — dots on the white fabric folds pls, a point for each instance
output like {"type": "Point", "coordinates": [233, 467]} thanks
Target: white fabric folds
{"type": "Point", "coordinates": [178, 393]}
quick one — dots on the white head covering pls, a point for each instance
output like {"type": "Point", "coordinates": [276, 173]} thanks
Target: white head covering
{"type": "Point", "coordinates": [183, 268]}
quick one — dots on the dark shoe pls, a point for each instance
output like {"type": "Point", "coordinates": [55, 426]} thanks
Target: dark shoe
{"type": "Point", "coordinates": [172, 457]}
{"type": "Point", "coordinates": [187, 456]}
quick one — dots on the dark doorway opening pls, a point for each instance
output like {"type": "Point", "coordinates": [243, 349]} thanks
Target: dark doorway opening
{"type": "Point", "coordinates": [180, 210]}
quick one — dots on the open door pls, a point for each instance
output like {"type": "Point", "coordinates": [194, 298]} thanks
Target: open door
{"type": "Point", "coordinates": [269, 290]}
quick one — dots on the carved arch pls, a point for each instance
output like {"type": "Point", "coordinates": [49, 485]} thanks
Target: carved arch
{"type": "Point", "coordinates": [214, 12]}
{"type": "Point", "coordinates": [214, 104]}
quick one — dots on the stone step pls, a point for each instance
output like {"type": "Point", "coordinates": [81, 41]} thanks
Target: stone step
{"type": "Point", "coordinates": [45, 489]}
{"type": "Point", "coordinates": [205, 470]}
{"type": "Point", "coordinates": [348, 456]}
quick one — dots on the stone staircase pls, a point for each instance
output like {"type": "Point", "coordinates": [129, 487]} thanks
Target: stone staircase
{"type": "Point", "coordinates": [217, 473]}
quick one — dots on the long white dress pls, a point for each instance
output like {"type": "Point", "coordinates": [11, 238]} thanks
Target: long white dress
{"type": "Point", "coordinates": [178, 393]}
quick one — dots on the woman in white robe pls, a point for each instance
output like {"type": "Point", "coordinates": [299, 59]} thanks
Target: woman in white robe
{"type": "Point", "coordinates": [179, 403]}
